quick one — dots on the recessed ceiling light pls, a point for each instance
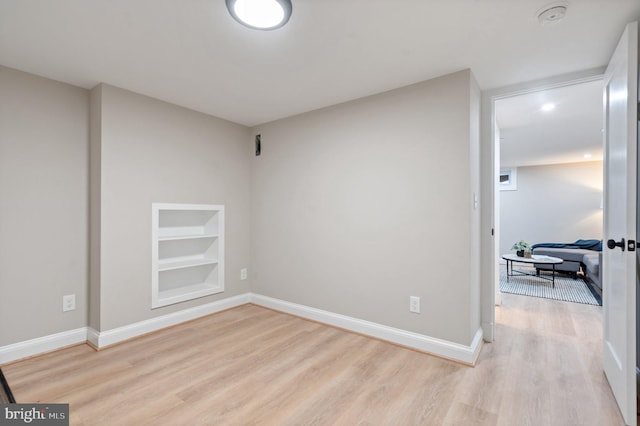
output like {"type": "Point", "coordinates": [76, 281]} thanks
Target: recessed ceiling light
{"type": "Point", "coordinates": [260, 14]}
{"type": "Point", "coordinates": [548, 107]}
{"type": "Point", "coordinates": [587, 156]}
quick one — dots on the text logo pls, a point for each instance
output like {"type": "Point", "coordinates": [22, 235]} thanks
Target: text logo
{"type": "Point", "coordinates": [34, 414]}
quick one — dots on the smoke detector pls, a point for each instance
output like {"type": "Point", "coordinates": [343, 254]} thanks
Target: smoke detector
{"type": "Point", "coordinates": [552, 13]}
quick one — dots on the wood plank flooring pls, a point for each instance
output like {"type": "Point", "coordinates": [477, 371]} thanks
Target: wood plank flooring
{"type": "Point", "coordinates": [253, 366]}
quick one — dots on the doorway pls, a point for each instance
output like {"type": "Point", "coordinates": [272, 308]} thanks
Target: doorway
{"type": "Point", "coordinates": [490, 158]}
{"type": "Point", "coordinates": [550, 188]}
{"type": "Point", "coordinates": [619, 210]}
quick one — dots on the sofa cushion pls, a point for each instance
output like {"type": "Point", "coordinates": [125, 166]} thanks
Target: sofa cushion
{"type": "Point", "coordinates": [574, 255]}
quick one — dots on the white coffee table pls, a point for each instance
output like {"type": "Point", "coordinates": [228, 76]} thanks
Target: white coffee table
{"type": "Point", "coordinates": [547, 260]}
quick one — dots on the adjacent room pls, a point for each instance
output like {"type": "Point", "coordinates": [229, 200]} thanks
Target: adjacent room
{"type": "Point", "coordinates": [211, 214]}
{"type": "Point", "coordinates": [551, 191]}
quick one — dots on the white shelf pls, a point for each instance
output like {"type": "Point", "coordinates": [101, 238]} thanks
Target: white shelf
{"type": "Point", "coordinates": [186, 237]}
{"type": "Point", "coordinates": [177, 263]}
{"type": "Point", "coordinates": [189, 292]}
{"type": "Point", "coordinates": [187, 252]}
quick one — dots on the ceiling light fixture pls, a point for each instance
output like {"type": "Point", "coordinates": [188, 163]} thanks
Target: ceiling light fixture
{"type": "Point", "coordinates": [260, 14]}
{"type": "Point", "coordinates": [587, 156]}
{"type": "Point", "coordinates": [548, 107]}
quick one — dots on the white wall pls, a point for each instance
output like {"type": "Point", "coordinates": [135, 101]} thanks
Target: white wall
{"type": "Point", "coordinates": [358, 206]}
{"type": "Point", "coordinates": [554, 203]}
{"type": "Point", "coordinates": [43, 205]}
{"type": "Point", "coordinates": [153, 151]}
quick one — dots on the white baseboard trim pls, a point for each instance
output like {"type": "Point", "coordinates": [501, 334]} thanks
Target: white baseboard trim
{"type": "Point", "coordinates": [101, 339]}
{"type": "Point", "coordinates": [41, 345]}
{"type": "Point", "coordinates": [93, 337]}
{"type": "Point", "coordinates": [443, 348]}
{"type": "Point", "coordinates": [487, 331]}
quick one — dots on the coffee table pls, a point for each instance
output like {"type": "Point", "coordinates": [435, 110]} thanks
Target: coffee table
{"type": "Point", "coordinates": [547, 260]}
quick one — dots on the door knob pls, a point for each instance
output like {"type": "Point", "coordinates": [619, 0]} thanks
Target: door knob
{"type": "Point", "coordinates": [612, 244]}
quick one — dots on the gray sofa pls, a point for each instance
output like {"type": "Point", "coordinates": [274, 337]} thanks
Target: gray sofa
{"type": "Point", "coordinates": [592, 264]}
{"type": "Point", "coordinates": [574, 260]}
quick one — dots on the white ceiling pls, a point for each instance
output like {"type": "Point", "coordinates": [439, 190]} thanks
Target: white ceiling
{"type": "Point", "coordinates": [530, 136]}
{"type": "Point", "coordinates": [192, 53]}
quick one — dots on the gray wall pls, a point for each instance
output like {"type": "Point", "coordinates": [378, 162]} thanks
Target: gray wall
{"type": "Point", "coordinates": [43, 205]}
{"type": "Point", "coordinates": [352, 208]}
{"type": "Point", "coordinates": [358, 206]}
{"type": "Point", "coordinates": [554, 203]}
{"type": "Point", "coordinates": [474, 197]}
{"type": "Point", "coordinates": [153, 151]}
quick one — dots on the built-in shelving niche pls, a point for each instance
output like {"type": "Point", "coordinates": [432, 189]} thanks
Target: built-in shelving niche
{"type": "Point", "coordinates": [187, 252]}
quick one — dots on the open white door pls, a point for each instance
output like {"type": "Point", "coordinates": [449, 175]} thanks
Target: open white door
{"type": "Point", "coordinates": [620, 189]}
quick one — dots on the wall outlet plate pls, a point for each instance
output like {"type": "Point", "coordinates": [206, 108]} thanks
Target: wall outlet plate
{"type": "Point", "coordinates": [414, 304]}
{"type": "Point", "coordinates": [243, 273]}
{"type": "Point", "coordinates": [68, 302]}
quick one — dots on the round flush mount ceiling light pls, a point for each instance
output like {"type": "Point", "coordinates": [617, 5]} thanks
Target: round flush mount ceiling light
{"type": "Point", "coordinates": [260, 14]}
{"type": "Point", "coordinates": [552, 13]}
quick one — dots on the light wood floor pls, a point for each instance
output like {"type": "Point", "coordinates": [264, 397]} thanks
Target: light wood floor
{"type": "Point", "coordinates": [251, 366]}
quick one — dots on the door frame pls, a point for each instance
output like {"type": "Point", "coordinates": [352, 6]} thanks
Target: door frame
{"type": "Point", "coordinates": [489, 190]}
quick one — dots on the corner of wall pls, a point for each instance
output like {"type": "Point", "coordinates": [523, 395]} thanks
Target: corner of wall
{"type": "Point", "coordinates": [476, 203]}
{"type": "Point", "coordinates": [95, 153]}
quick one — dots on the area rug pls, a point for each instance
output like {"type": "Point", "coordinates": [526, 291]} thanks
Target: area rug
{"type": "Point", "coordinates": [567, 289]}
{"type": "Point", "coordinates": [6, 397]}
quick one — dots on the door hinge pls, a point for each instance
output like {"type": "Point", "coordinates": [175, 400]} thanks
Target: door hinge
{"type": "Point", "coordinates": [631, 245]}
{"type": "Point", "coordinates": [492, 232]}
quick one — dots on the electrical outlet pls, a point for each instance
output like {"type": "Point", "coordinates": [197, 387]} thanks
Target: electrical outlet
{"type": "Point", "coordinates": [68, 302]}
{"type": "Point", "coordinates": [414, 304]}
{"type": "Point", "coordinates": [243, 273]}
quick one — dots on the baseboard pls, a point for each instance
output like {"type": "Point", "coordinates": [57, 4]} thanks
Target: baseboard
{"type": "Point", "coordinates": [93, 337]}
{"type": "Point", "coordinates": [487, 331]}
{"type": "Point", "coordinates": [41, 345]}
{"type": "Point", "coordinates": [101, 339]}
{"type": "Point", "coordinates": [442, 348]}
